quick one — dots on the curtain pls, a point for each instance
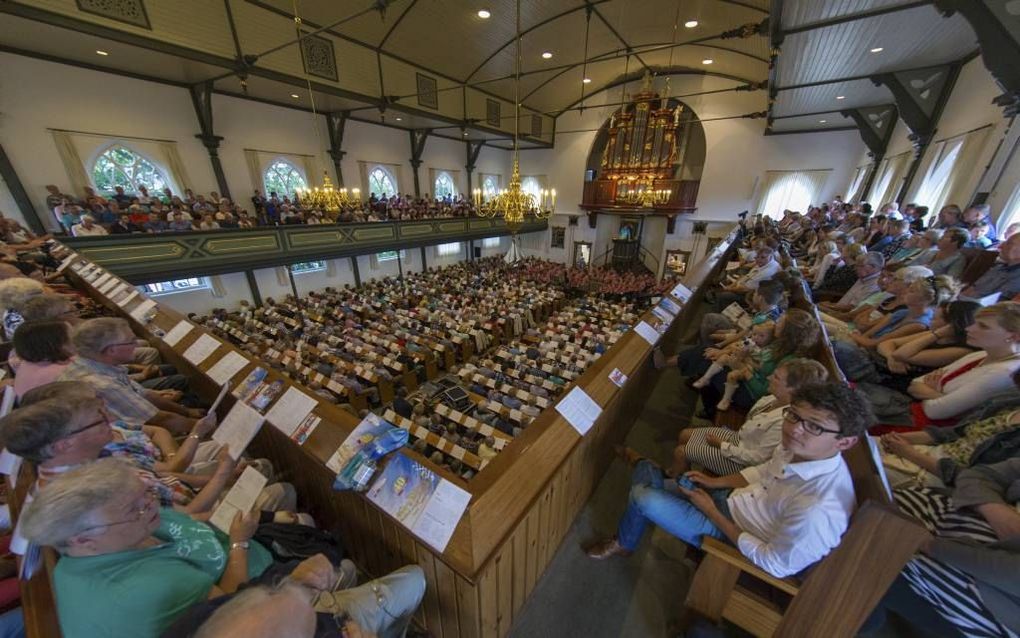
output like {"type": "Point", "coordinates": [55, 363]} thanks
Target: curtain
{"type": "Point", "coordinates": [791, 190]}
{"type": "Point", "coordinates": [251, 158]}
{"type": "Point", "coordinates": [172, 160]}
{"type": "Point", "coordinates": [216, 284]}
{"type": "Point", "coordinates": [959, 188]}
{"type": "Point", "coordinates": [311, 171]}
{"type": "Point", "coordinates": [854, 192]}
{"type": "Point", "coordinates": [887, 187]}
{"type": "Point", "coordinates": [72, 162]}
{"type": "Point", "coordinates": [932, 192]}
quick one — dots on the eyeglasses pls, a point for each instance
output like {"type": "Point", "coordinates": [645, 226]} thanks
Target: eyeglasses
{"type": "Point", "coordinates": [810, 427]}
{"type": "Point", "coordinates": [150, 497]}
{"type": "Point", "coordinates": [102, 421]}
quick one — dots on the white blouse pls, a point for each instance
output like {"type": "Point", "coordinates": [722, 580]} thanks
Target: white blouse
{"type": "Point", "coordinates": [759, 435]}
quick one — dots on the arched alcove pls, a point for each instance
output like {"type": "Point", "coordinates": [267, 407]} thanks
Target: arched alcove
{"type": "Point", "coordinates": [649, 154]}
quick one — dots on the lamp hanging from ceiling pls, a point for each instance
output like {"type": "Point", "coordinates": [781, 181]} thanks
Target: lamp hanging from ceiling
{"type": "Point", "coordinates": [514, 204]}
{"type": "Point", "coordinates": [325, 197]}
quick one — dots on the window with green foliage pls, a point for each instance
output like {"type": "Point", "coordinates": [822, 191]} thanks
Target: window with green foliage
{"type": "Point", "coordinates": [281, 177]}
{"type": "Point", "coordinates": [120, 166]}
{"type": "Point", "coordinates": [177, 285]}
{"type": "Point", "coordinates": [381, 183]}
{"type": "Point", "coordinates": [444, 187]}
{"type": "Point", "coordinates": [389, 255]}
{"type": "Point", "coordinates": [307, 266]}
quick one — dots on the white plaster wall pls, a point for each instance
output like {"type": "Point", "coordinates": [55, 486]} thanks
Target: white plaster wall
{"type": "Point", "coordinates": [737, 153]}
{"type": "Point", "coordinates": [235, 289]}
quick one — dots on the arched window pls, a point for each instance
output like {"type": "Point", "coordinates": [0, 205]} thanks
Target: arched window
{"type": "Point", "coordinates": [490, 186]}
{"type": "Point", "coordinates": [381, 182]}
{"type": "Point", "coordinates": [120, 166]}
{"type": "Point", "coordinates": [283, 178]}
{"type": "Point", "coordinates": [791, 190]}
{"type": "Point", "coordinates": [531, 186]}
{"type": "Point", "coordinates": [444, 188]}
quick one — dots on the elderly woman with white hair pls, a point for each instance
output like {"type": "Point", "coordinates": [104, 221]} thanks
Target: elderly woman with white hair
{"type": "Point", "coordinates": [129, 568]}
{"type": "Point", "coordinates": [14, 294]}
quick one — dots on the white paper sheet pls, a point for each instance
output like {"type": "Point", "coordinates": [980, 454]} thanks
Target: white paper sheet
{"type": "Point", "coordinates": [227, 367]}
{"type": "Point", "coordinates": [437, 522]}
{"type": "Point", "coordinates": [66, 262]}
{"type": "Point", "coordinates": [579, 409]}
{"type": "Point", "coordinates": [682, 292]}
{"type": "Point", "coordinates": [288, 412]}
{"type": "Point", "coordinates": [143, 309]}
{"type": "Point", "coordinates": [238, 428]}
{"type": "Point", "coordinates": [648, 333]}
{"type": "Point", "coordinates": [733, 265]}
{"type": "Point", "coordinates": [110, 284]}
{"type": "Point", "coordinates": [126, 300]}
{"type": "Point", "coordinates": [219, 399]}
{"type": "Point", "coordinates": [178, 332]}
{"type": "Point", "coordinates": [663, 315]}
{"type": "Point", "coordinates": [102, 279]}
{"type": "Point", "coordinates": [117, 289]}
{"type": "Point", "coordinates": [201, 349]}
{"type": "Point", "coordinates": [240, 498]}
{"type": "Point", "coordinates": [990, 299]}
{"type": "Point", "coordinates": [618, 377]}
{"type": "Point", "coordinates": [94, 274]}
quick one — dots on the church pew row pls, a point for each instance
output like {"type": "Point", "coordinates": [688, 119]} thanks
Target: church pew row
{"type": "Point", "coordinates": [839, 592]}
{"type": "Point", "coordinates": [523, 502]}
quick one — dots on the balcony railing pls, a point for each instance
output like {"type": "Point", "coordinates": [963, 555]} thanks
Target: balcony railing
{"type": "Point", "coordinates": [149, 257]}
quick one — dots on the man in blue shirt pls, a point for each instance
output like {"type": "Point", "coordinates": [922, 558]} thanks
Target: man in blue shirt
{"type": "Point", "coordinates": [1003, 277]}
{"type": "Point", "coordinates": [981, 213]}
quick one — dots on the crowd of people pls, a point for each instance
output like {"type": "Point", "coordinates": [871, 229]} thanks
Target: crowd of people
{"type": "Point", "coordinates": [929, 351]}
{"type": "Point", "coordinates": [121, 212]}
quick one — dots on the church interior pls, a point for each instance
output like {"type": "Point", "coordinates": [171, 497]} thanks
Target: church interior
{"type": "Point", "coordinates": [505, 318]}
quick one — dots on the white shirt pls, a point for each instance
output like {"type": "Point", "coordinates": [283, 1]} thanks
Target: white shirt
{"type": "Point", "coordinates": [759, 274]}
{"type": "Point", "coordinates": [79, 230]}
{"type": "Point", "coordinates": [759, 435]}
{"type": "Point", "coordinates": [970, 389]}
{"type": "Point", "coordinates": [792, 513]}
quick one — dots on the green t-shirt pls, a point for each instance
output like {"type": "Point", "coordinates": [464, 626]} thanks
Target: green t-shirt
{"type": "Point", "coordinates": [139, 593]}
{"type": "Point", "coordinates": [758, 384]}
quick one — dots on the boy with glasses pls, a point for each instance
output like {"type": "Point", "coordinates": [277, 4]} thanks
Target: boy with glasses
{"type": "Point", "coordinates": [783, 515]}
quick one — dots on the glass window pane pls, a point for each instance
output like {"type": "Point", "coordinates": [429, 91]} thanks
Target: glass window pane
{"type": "Point", "coordinates": [120, 166]}
{"type": "Point", "coordinates": [176, 285]}
{"type": "Point", "coordinates": [452, 248]}
{"type": "Point", "coordinates": [444, 188]}
{"type": "Point", "coordinates": [307, 266]}
{"type": "Point", "coordinates": [381, 183]}
{"type": "Point", "coordinates": [283, 178]}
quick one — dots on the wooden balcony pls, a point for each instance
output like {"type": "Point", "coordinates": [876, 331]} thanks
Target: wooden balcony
{"type": "Point", "coordinates": [601, 196]}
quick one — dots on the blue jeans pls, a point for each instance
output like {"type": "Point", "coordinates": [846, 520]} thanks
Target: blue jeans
{"type": "Point", "coordinates": [650, 503]}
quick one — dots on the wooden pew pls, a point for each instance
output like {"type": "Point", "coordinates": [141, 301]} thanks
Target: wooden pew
{"type": "Point", "coordinates": [839, 592]}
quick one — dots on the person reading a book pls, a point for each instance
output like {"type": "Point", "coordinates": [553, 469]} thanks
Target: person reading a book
{"type": "Point", "coordinates": [783, 515]}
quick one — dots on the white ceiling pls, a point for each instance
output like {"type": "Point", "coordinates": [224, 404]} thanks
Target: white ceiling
{"type": "Point", "coordinates": [825, 45]}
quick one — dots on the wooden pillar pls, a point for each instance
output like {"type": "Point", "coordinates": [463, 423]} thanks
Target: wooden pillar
{"type": "Point", "coordinates": [357, 273]}
{"type": "Point", "coordinates": [293, 284]}
{"type": "Point", "coordinates": [418, 139]}
{"type": "Point", "coordinates": [473, 149]}
{"type": "Point", "coordinates": [253, 286]}
{"type": "Point", "coordinates": [424, 261]}
{"type": "Point", "coordinates": [201, 99]}
{"type": "Point", "coordinates": [19, 194]}
{"type": "Point", "coordinates": [335, 124]}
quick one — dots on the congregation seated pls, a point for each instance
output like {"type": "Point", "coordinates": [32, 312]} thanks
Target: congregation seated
{"type": "Point", "coordinates": [132, 213]}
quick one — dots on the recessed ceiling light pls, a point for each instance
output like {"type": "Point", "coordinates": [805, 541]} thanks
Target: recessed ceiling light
{"type": "Point", "coordinates": [822, 121]}
{"type": "Point", "coordinates": [484, 14]}
{"type": "Point", "coordinates": [101, 52]}
{"type": "Point", "coordinates": [877, 50]}
{"type": "Point", "coordinates": [840, 97]}
{"type": "Point", "coordinates": [465, 133]}
{"type": "Point", "coordinates": [586, 80]}
{"type": "Point", "coordinates": [707, 61]}
{"type": "Point", "coordinates": [690, 24]}
{"type": "Point", "coordinates": [295, 96]}
{"type": "Point", "coordinates": [547, 55]}
{"type": "Point", "coordinates": [400, 119]}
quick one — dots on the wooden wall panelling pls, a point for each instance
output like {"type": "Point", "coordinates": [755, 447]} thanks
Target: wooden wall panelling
{"type": "Point", "coordinates": [446, 591]}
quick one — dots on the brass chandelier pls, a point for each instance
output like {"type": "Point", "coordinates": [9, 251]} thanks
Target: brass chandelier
{"type": "Point", "coordinates": [514, 204]}
{"type": "Point", "coordinates": [327, 197]}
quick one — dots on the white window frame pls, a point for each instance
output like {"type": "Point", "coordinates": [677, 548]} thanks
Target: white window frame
{"type": "Point", "coordinates": [319, 267]}
{"type": "Point", "coordinates": [280, 159]}
{"type": "Point", "coordinates": [164, 172]}
{"type": "Point", "coordinates": [448, 249]}
{"type": "Point", "coordinates": [393, 179]}
{"type": "Point", "coordinates": [453, 184]}
{"type": "Point", "coordinates": [203, 283]}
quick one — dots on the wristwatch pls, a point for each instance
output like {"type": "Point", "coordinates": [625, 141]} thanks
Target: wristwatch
{"type": "Point", "coordinates": [239, 545]}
